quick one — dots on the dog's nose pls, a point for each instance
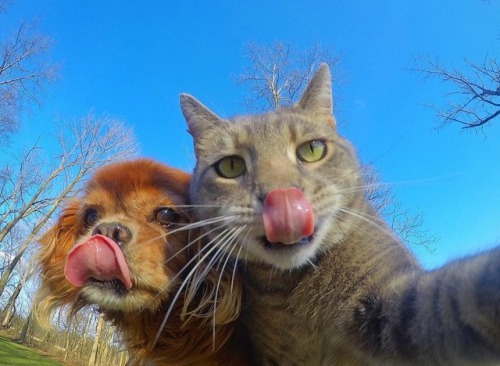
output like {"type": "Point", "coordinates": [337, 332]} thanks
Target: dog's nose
{"type": "Point", "coordinates": [115, 231]}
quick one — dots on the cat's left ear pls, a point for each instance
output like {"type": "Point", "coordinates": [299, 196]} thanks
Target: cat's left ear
{"type": "Point", "coordinates": [317, 98]}
{"type": "Point", "coordinates": [198, 117]}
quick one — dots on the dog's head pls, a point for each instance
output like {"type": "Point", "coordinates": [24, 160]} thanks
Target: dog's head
{"type": "Point", "coordinates": [113, 247]}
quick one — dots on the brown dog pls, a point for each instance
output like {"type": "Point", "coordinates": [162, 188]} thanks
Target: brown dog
{"type": "Point", "coordinates": [116, 247]}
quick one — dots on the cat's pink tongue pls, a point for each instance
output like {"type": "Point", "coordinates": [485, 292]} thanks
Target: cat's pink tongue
{"type": "Point", "coordinates": [98, 257]}
{"type": "Point", "coordinates": [288, 217]}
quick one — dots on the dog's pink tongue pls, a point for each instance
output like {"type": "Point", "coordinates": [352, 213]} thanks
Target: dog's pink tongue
{"type": "Point", "coordinates": [100, 258]}
{"type": "Point", "coordinates": [288, 217]}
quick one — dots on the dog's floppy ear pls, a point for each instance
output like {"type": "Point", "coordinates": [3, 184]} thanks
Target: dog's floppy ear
{"type": "Point", "coordinates": [60, 238]}
{"type": "Point", "coordinates": [55, 290]}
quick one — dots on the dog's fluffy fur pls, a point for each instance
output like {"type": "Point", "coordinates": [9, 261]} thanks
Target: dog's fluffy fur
{"type": "Point", "coordinates": [130, 193]}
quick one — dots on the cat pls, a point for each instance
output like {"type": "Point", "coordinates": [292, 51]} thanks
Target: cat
{"type": "Point", "coordinates": [326, 281]}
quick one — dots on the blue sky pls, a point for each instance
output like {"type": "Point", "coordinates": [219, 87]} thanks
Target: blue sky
{"type": "Point", "coordinates": [131, 59]}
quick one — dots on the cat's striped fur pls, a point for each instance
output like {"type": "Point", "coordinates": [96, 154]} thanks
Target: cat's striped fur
{"type": "Point", "coordinates": [351, 293]}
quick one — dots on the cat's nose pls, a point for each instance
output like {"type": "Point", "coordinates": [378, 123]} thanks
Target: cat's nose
{"type": "Point", "coordinates": [263, 192]}
{"type": "Point", "coordinates": [115, 231]}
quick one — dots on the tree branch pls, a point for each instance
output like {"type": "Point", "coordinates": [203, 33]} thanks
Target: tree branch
{"type": "Point", "coordinates": [475, 92]}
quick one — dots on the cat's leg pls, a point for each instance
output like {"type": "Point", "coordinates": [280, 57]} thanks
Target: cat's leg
{"type": "Point", "coordinates": [449, 316]}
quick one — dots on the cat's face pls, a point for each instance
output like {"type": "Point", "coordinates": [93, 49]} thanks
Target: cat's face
{"type": "Point", "coordinates": [274, 186]}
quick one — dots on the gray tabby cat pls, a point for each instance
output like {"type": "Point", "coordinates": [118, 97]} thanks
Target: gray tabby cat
{"type": "Point", "coordinates": [327, 283]}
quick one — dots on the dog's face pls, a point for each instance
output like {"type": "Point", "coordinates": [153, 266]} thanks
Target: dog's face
{"type": "Point", "coordinates": [113, 246]}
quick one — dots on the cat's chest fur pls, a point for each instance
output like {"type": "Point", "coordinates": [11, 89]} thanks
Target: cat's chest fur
{"type": "Point", "coordinates": [298, 317]}
{"type": "Point", "coordinates": [285, 329]}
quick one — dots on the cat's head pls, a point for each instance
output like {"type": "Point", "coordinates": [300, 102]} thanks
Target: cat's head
{"type": "Point", "coordinates": [275, 187]}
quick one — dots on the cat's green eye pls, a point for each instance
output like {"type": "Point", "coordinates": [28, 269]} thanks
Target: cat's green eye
{"type": "Point", "coordinates": [312, 151]}
{"type": "Point", "coordinates": [230, 166]}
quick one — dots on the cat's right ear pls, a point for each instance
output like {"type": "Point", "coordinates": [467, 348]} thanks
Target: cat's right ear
{"type": "Point", "coordinates": [317, 98]}
{"type": "Point", "coordinates": [198, 117]}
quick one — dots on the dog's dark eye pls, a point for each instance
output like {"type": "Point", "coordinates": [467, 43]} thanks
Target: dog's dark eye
{"type": "Point", "coordinates": [90, 217]}
{"type": "Point", "coordinates": [166, 216]}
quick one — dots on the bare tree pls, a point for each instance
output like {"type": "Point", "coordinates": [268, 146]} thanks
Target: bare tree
{"type": "Point", "coordinates": [474, 99]}
{"type": "Point", "coordinates": [33, 185]}
{"type": "Point", "coordinates": [408, 226]}
{"type": "Point", "coordinates": [26, 326]}
{"type": "Point", "coordinates": [277, 74]}
{"type": "Point", "coordinates": [83, 146]}
{"type": "Point", "coordinates": [24, 73]}
{"type": "Point", "coordinates": [380, 195]}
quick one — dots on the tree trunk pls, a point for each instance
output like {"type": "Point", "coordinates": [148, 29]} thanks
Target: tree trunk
{"type": "Point", "coordinates": [97, 339]}
{"type": "Point", "coordinates": [104, 358]}
{"type": "Point", "coordinates": [9, 310]}
{"type": "Point", "coordinates": [8, 271]}
{"type": "Point", "coordinates": [24, 331]}
{"type": "Point", "coordinates": [80, 345]}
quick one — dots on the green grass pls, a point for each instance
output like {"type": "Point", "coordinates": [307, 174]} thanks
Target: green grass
{"type": "Point", "coordinates": [15, 354]}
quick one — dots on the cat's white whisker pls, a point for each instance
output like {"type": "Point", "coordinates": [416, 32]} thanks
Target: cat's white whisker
{"type": "Point", "coordinates": [186, 281]}
{"type": "Point", "coordinates": [231, 241]}
{"type": "Point", "coordinates": [212, 246]}
{"type": "Point", "coordinates": [203, 223]}
{"type": "Point", "coordinates": [370, 219]}
{"type": "Point", "coordinates": [152, 240]}
{"type": "Point", "coordinates": [197, 206]}
{"type": "Point", "coordinates": [198, 277]}
{"type": "Point", "coordinates": [224, 242]}
{"type": "Point", "coordinates": [311, 263]}
{"type": "Point", "coordinates": [186, 265]}
{"type": "Point", "coordinates": [236, 259]}
{"type": "Point", "coordinates": [196, 240]}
